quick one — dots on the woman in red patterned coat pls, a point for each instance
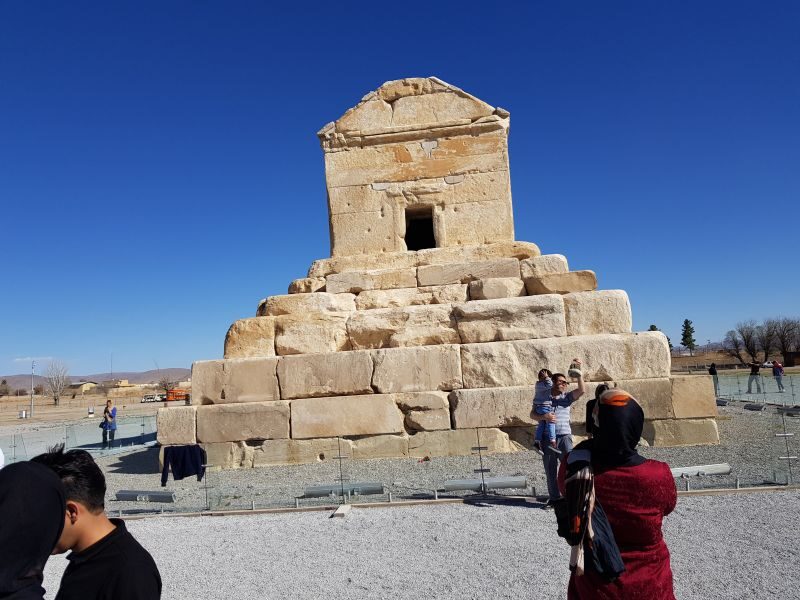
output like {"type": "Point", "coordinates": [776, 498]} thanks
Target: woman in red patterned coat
{"type": "Point", "coordinates": [635, 494]}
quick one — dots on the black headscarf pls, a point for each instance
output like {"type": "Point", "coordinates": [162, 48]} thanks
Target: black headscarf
{"type": "Point", "coordinates": [620, 422]}
{"type": "Point", "coordinates": [32, 508]}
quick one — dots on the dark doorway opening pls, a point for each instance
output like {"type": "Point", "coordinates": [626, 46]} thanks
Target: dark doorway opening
{"type": "Point", "coordinates": [419, 228]}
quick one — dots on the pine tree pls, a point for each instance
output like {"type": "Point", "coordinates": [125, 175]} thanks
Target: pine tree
{"type": "Point", "coordinates": [653, 328]}
{"type": "Point", "coordinates": [687, 336]}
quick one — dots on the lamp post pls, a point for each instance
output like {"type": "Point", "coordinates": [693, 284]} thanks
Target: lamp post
{"type": "Point", "coordinates": [33, 366]}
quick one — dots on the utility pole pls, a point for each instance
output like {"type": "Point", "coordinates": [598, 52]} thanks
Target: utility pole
{"type": "Point", "coordinates": [33, 366]}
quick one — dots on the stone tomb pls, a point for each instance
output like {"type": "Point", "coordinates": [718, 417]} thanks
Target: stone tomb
{"type": "Point", "coordinates": [429, 320]}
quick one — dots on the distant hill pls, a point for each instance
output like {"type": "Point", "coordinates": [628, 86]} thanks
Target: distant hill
{"type": "Point", "coordinates": [24, 381]}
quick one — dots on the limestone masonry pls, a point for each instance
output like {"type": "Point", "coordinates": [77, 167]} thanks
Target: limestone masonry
{"type": "Point", "coordinates": [429, 320]}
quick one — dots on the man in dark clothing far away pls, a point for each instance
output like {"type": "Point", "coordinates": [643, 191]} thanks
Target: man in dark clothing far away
{"type": "Point", "coordinates": [754, 377]}
{"type": "Point", "coordinates": [106, 562]}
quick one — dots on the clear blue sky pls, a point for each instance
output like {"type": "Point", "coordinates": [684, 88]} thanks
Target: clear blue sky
{"type": "Point", "coordinates": [160, 173]}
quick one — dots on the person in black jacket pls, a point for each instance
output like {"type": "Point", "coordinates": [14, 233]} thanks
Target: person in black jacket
{"type": "Point", "coordinates": [105, 562]}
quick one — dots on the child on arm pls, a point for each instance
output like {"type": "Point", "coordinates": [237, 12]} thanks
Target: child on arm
{"type": "Point", "coordinates": [542, 405]}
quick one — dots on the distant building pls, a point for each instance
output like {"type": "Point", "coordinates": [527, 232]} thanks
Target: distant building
{"type": "Point", "coordinates": [82, 386]}
{"type": "Point", "coordinates": [118, 383]}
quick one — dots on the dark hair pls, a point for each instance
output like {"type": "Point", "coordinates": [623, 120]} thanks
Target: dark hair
{"type": "Point", "coordinates": [82, 479]}
{"type": "Point", "coordinates": [603, 387]}
{"type": "Point", "coordinates": [555, 376]}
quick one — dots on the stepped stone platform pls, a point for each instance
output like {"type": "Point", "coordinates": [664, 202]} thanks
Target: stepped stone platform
{"type": "Point", "coordinates": [429, 319]}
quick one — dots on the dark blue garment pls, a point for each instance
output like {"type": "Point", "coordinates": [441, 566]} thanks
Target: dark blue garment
{"type": "Point", "coordinates": [184, 461]}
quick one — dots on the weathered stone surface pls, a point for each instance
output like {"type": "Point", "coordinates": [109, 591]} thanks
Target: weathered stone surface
{"type": "Point", "coordinates": [228, 455]}
{"type": "Point", "coordinates": [249, 338]}
{"type": "Point", "coordinates": [307, 285]}
{"type": "Point", "coordinates": [546, 264]}
{"type": "Point", "coordinates": [345, 415]}
{"type": "Point", "coordinates": [693, 396]}
{"type": "Point", "coordinates": [606, 311]}
{"type": "Point", "coordinates": [358, 281]}
{"type": "Point", "coordinates": [492, 407]}
{"type": "Point", "coordinates": [425, 411]}
{"type": "Point", "coordinates": [207, 378]}
{"type": "Point", "coordinates": [605, 357]}
{"type": "Point", "coordinates": [496, 287]}
{"type": "Point", "coordinates": [529, 317]}
{"type": "Point", "coordinates": [421, 369]}
{"type": "Point", "coordinates": [430, 256]}
{"type": "Point", "coordinates": [562, 283]}
{"type": "Point", "coordinates": [236, 422]}
{"type": "Point", "coordinates": [176, 425]}
{"type": "Point", "coordinates": [313, 375]}
{"type": "Point", "coordinates": [398, 327]}
{"type": "Point", "coordinates": [304, 304]}
{"type": "Point", "coordinates": [309, 334]}
{"type": "Point", "coordinates": [437, 294]}
{"type": "Point", "coordinates": [462, 224]}
{"type": "Point", "coordinates": [248, 380]}
{"type": "Point", "coordinates": [466, 272]}
{"type": "Point", "coordinates": [457, 442]}
{"type": "Point", "coordinates": [380, 446]}
{"type": "Point", "coordinates": [368, 232]}
{"type": "Point", "coordinates": [299, 452]}
{"type": "Point", "coordinates": [653, 395]}
{"type": "Point", "coordinates": [681, 432]}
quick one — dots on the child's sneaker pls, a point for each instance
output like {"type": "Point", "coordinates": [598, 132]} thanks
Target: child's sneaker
{"type": "Point", "coordinates": [575, 370]}
{"type": "Point", "coordinates": [537, 447]}
{"type": "Point", "coordinates": [554, 448]}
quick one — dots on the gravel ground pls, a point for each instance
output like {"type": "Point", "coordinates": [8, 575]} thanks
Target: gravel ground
{"type": "Point", "coordinates": [748, 444]}
{"type": "Point", "coordinates": [722, 546]}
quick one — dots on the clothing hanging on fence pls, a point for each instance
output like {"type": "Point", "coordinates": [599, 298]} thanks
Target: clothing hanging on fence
{"type": "Point", "coordinates": [184, 461]}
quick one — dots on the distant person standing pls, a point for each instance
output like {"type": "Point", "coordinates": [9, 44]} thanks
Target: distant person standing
{"type": "Point", "coordinates": [754, 368]}
{"type": "Point", "coordinates": [109, 424]}
{"type": "Point", "coordinates": [712, 370]}
{"type": "Point", "coordinates": [777, 373]}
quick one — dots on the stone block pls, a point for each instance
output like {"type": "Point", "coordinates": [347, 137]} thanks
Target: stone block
{"type": "Point", "coordinates": [345, 416]}
{"type": "Point", "coordinates": [398, 327]}
{"type": "Point", "coordinates": [176, 425]}
{"type": "Point", "coordinates": [299, 452]}
{"type": "Point", "coordinates": [207, 381]}
{"type": "Point", "coordinates": [463, 224]}
{"type": "Point", "coordinates": [304, 304]}
{"type": "Point", "coordinates": [589, 313]}
{"type": "Point", "coordinates": [457, 442]}
{"type": "Point", "coordinates": [432, 109]}
{"type": "Point", "coordinates": [313, 375]}
{"type": "Point", "coordinates": [368, 232]}
{"type": "Point", "coordinates": [466, 272]}
{"type": "Point", "coordinates": [228, 455]}
{"type": "Point", "coordinates": [546, 264]}
{"type": "Point", "coordinates": [693, 396]}
{"type": "Point", "coordinates": [380, 446]}
{"type": "Point", "coordinates": [429, 256]}
{"type": "Point", "coordinates": [249, 338]}
{"type": "Point", "coordinates": [496, 287]}
{"type": "Point", "coordinates": [492, 407]}
{"type": "Point", "coordinates": [529, 317]}
{"type": "Point", "coordinates": [425, 411]}
{"type": "Point", "coordinates": [358, 281]}
{"type": "Point", "coordinates": [605, 357]}
{"type": "Point", "coordinates": [248, 380]}
{"type": "Point", "coordinates": [420, 369]}
{"type": "Point", "coordinates": [562, 283]}
{"type": "Point", "coordinates": [437, 294]}
{"type": "Point", "coordinates": [307, 285]}
{"type": "Point", "coordinates": [681, 432]}
{"type": "Point", "coordinates": [653, 395]}
{"type": "Point", "coordinates": [238, 422]}
{"type": "Point", "coordinates": [310, 334]}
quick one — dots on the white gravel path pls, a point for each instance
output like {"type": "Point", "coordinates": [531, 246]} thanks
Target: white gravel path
{"type": "Point", "coordinates": [731, 546]}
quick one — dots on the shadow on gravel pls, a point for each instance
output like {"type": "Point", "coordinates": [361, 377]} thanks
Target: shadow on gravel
{"type": "Point", "coordinates": [144, 462]}
{"type": "Point", "coordinates": [491, 500]}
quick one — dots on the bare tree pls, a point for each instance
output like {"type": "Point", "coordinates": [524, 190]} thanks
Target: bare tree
{"type": "Point", "coordinates": [747, 333]}
{"type": "Point", "coordinates": [765, 336]}
{"type": "Point", "coordinates": [787, 334]}
{"type": "Point", "coordinates": [732, 345]}
{"type": "Point", "coordinates": [57, 379]}
{"type": "Point", "coordinates": [5, 390]}
{"type": "Point", "coordinates": [166, 383]}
